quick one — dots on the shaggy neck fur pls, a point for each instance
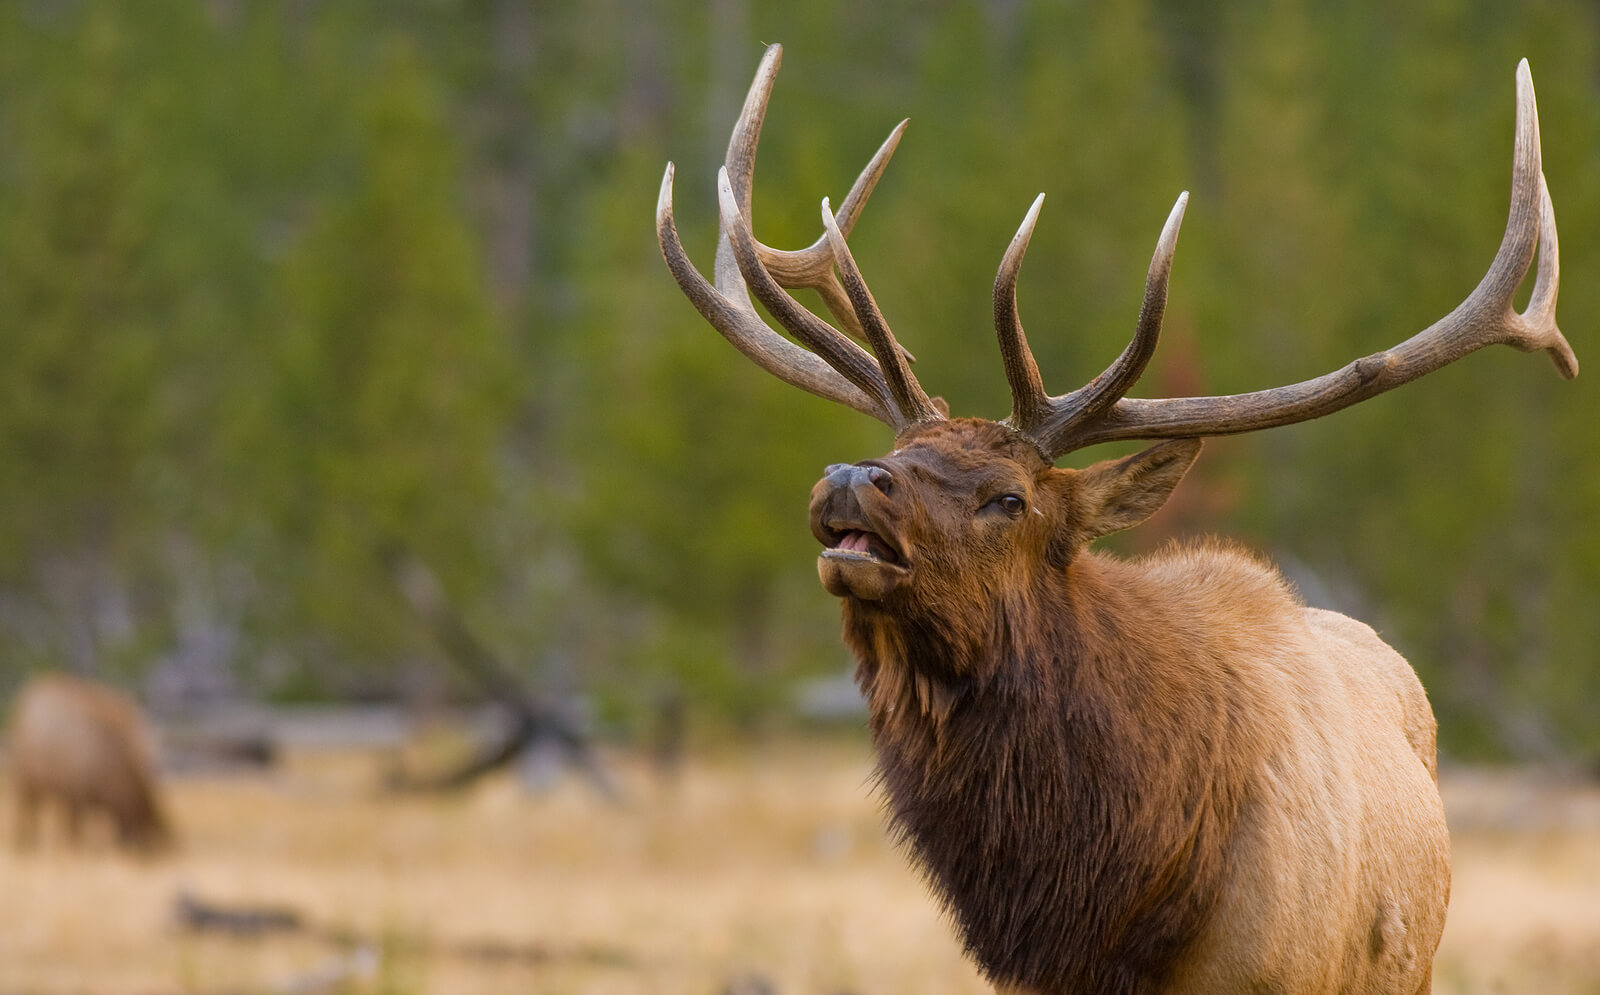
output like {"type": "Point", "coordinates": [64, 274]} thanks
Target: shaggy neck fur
{"type": "Point", "coordinates": [1053, 771]}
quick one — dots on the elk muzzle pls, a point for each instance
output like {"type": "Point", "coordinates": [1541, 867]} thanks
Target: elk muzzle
{"type": "Point", "coordinates": [852, 515]}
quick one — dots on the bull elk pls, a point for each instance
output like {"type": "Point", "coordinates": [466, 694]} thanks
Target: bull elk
{"type": "Point", "coordinates": [1164, 775]}
{"type": "Point", "coordinates": [87, 749]}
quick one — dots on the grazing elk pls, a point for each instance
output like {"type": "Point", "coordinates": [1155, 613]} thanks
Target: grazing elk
{"type": "Point", "coordinates": [1166, 775]}
{"type": "Point", "coordinates": [87, 748]}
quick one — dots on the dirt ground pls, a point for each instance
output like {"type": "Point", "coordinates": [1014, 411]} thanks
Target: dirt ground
{"type": "Point", "coordinates": [762, 870]}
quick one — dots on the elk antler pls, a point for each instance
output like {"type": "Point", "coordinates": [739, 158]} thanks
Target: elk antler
{"type": "Point", "coordinates": [1098, 411]}
{"type": "Point", "coordinates": [834, 367]}
{"type": "Point", "coordinates": [828, 363]}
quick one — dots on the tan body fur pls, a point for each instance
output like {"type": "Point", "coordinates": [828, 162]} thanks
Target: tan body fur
{"type": "Point", "coordinates": [1305, 745]}
{"type": "Point", "coordinates": [1330, 746]}
{"type": "Point", "coordinates": [87, 749]}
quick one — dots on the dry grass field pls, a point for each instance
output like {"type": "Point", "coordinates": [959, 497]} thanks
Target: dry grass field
{"type": "Point", "coordinates": [762, 866]}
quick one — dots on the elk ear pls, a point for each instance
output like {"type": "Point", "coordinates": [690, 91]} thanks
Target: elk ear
{"type": "Point", "coordinates": [941, 405]}
{"type": "Point", "coordinates": [1119, 494]}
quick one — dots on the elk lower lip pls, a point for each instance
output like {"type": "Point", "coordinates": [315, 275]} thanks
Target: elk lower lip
{"type": "Point", "coordinates": [849, 573]}
{"type": "Point", "coordinates": [859, 556]}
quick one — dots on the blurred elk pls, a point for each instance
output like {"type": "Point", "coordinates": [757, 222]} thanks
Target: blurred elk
{"type": "Point", "coordinates": [87, 749]}
{"type": "Point", "coordinates": [1164, 775]}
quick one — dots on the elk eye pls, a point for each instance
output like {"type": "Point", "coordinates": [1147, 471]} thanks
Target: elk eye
{"type": "Point", "coordinates": [1011, 504]}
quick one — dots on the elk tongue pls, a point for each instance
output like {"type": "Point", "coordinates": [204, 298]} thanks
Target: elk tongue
{"type": "Point", "coordinates": [855, 542]}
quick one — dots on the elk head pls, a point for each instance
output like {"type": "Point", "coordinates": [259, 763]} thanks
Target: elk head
{"type": "Point", "coordinates": [976, 506]}
{"type": "Point", "coordinates": [966, 512]}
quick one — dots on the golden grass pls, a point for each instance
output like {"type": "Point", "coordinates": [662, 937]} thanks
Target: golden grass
{"type": "Point", "coordinates": [770, 861]}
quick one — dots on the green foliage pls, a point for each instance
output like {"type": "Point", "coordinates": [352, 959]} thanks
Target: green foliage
{"type": "Point", "coordinates": [393, 382]}
{"type": "Point", "coordinates": [286, 290]}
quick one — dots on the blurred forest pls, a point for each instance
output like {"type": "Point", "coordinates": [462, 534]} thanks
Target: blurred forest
{"type": "Point", "coordinates": [288, 289]}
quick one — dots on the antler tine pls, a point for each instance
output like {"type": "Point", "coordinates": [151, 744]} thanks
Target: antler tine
{"type": "Point", "coordinates": [909, 396]}
{"type": "Point", "coordinates": [731, 313]}
{"type": "Point", "coordinates": [1541, 310]}
{"type": "Point", "coordinates": [1531, 227]}
{"type": "Point", "coordinates": [813, 264]}
{"type": "Point", "coordinates": [814, 333]}
{"type": "Point", "coordinates": [1092, 400]}
{"type": "Point", "coordinates": [740, 158]}
{"type": "Point", "coordinates": [1050, 420]}
{"type": "Point", "coordinates": [1487, 316]}
{"type": "Point", "coordinates": [1029, 403]}
{"type": "Point", "coordinates": [811, 267]}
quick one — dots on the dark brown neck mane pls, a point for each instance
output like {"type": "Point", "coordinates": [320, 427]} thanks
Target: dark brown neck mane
{"type": "Point", "coordinates": [1056, 776]}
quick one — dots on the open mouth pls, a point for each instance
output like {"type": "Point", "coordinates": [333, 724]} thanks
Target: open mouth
{"type": "Point", "coordinates": [859, 563]}
{"type": "Point", "coordinates": [860, 544]}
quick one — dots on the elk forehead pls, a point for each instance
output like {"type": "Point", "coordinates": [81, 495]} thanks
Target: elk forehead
{"type": "Point", "coordinates": [951, 464]}
{"type": "Point", "coordinates": [971, 444]}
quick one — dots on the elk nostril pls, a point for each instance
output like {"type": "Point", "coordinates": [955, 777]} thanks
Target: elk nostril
{"type": "Point", "coordinates": [882, 479]}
